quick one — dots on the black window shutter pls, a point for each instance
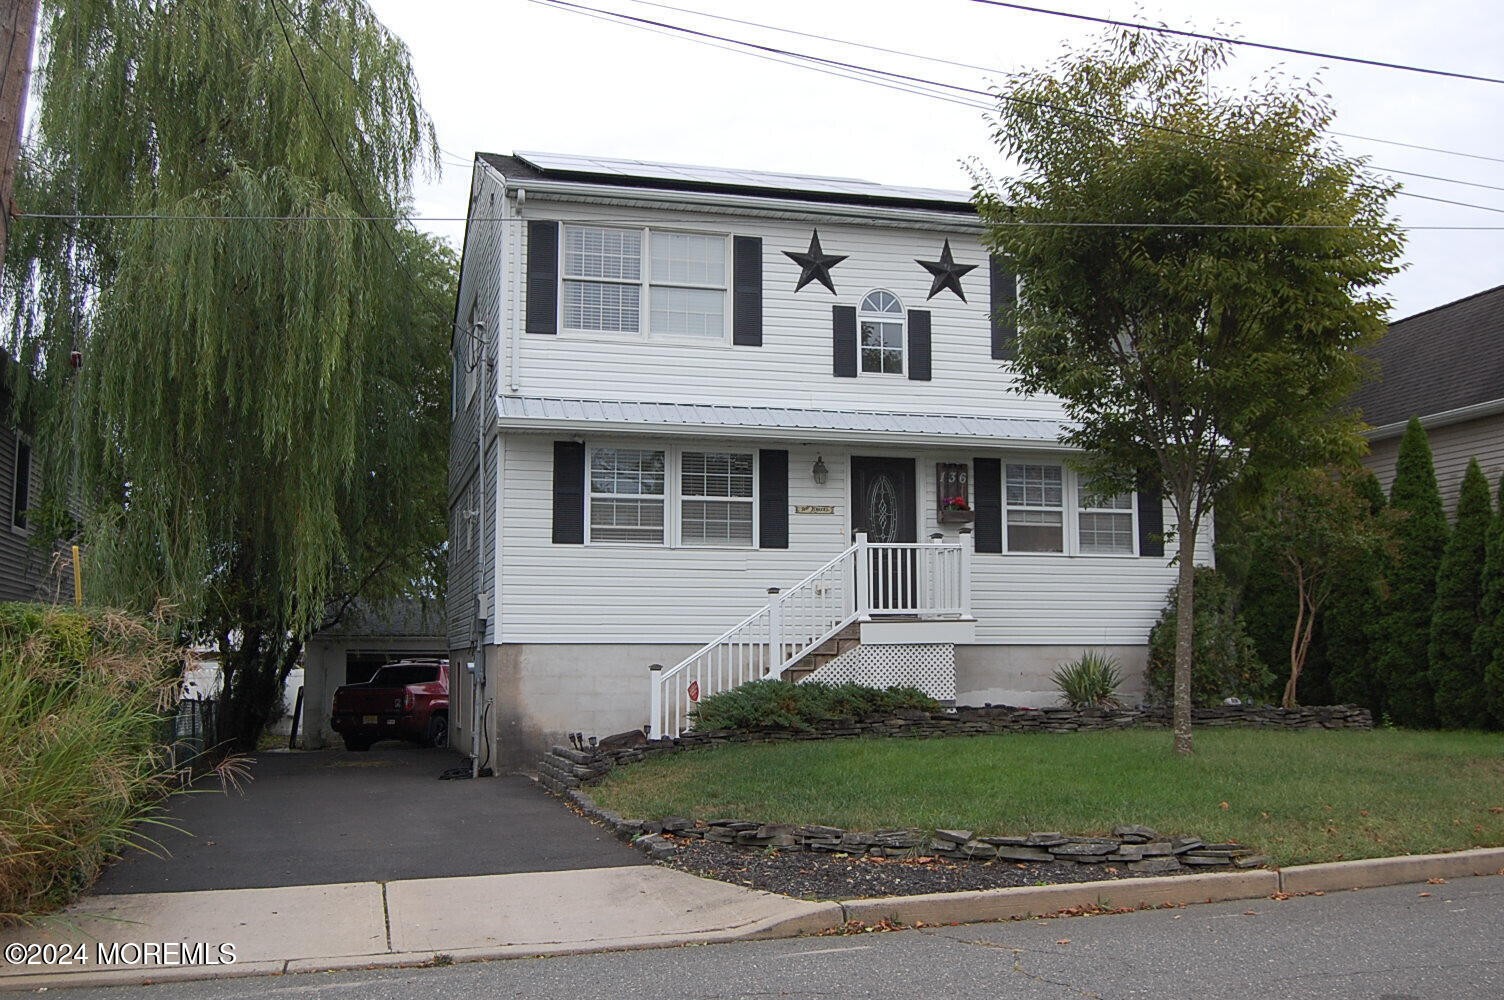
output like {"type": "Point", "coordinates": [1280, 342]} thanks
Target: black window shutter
{"type": "Point", "coordinates": [1004, 298]}
{"type": "Point", "coordinates": [542, 277]}
{"type": "Point", "coordinates": [987, 484]}
{"type": "Point", "coordinates": [919, 345]}
{"type": "Point", "coordinates": [1151, 517]}
{"type": "Point", "coordinates": [569, 493]}
{"type": "Point", "coordinates": [746, 291]}
{"type": "Point", "coordinates": [773, 499]}
{"type": "Point", "coordinates": [843, 341]}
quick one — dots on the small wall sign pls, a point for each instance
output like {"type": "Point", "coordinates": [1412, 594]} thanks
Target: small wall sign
{"type": "Point", "coordinates": [694, 691]}
{"type": "Point", "coordinates": [814, 508]}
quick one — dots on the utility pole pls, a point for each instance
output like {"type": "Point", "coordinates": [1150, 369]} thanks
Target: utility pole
{"type": "Point", "coordinates": [18, 26]}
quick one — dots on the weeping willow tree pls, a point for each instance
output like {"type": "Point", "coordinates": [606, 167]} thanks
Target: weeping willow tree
{"type": "Point", "coordinates": [257, 430]}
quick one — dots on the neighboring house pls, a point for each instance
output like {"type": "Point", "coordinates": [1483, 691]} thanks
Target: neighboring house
{"type": "Point", "coordinates": [365, 638]}
{"type": "Point", "coordinates": [677, 388]}
{"type": "Point", "coordinates": [1446, 366]}
{"type": "Point", "coordinates": [27, 573]}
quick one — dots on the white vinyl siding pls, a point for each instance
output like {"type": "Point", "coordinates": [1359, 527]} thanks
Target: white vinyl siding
{"type": "Point", "coordinates": [689, 594]}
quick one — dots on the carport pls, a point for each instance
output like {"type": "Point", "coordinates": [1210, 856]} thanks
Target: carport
{"type": "Point", "coordinates": [327, 816]}
{"type": "Point", "coordinates": [366, 637]}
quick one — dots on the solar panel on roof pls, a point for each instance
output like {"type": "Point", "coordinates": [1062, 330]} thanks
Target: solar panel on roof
{"type": "Point", "coordinates": [728, 176]}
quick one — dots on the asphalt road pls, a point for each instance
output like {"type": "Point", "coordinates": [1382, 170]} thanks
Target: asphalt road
{"type": "Point", "coordinates": [332, 816]}
{"type": "Point", "coordinates": [1378, 944]}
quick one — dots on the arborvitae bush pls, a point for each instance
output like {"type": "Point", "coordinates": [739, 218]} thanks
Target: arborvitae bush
{"type": "Point", "coordinates": [1421, 535]}
{"type": "Point", "coordinates": [1488, 641]}
{"type": "Point", "coordinates": [1350, 630]}
{"type": "Point", "coordinates": [1224, 663]}
{"type": "Point", "coordinates": [1456, 674]}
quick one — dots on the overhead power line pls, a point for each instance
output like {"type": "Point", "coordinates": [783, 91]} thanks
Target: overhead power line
{"type": "Point", "coordinates": [1165, 30]}
{"type": "Point", "coordinates": [941, 61]}
{"type": "Point", "coordinates": [596, 221]}
{"type": "Point", "coordinates": [956, 93]}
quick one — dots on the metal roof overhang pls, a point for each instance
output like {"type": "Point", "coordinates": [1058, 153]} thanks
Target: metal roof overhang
{"type": "Point", "coordinates": [540, 414]}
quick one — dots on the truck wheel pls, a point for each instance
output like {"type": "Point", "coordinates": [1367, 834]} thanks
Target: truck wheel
{"type": "Point", "coordinates": [438, 731]}
{"type": "Point", "coordinates": [358, 743]}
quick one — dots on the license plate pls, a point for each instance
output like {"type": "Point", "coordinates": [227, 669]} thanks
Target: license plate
{"type": "Point", "coordinates": [368, 720]}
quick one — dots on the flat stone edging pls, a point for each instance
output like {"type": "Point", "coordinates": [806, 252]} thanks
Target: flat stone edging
{"type": "Point", "coordinates": [936, 908]}
{"type": "Point", "coordinates": [1137, 848]}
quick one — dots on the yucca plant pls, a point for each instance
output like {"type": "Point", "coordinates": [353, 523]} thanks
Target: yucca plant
{"type": "Point", "coordinates": [1090, 681]}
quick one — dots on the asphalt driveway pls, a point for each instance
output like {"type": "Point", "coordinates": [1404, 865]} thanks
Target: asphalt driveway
{"type": "Point", "coordinates": [315, 817]}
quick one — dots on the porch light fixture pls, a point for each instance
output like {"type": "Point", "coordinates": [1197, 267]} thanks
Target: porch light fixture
{"type": "Point", "coordinates": [820, 472]}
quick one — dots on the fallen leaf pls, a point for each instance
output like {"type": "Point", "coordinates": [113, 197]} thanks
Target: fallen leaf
{"type": "Point", "coordinates": [1424, 894]}
{"type": "Point", "coordinates": [1496, 809]}
{"type": "Point", "coordinates": [1436, 881]}
{"type": "Point", "coordinates": [1318, 892]}
{"type": "Point", "coordinates": [1224, 805]}
{"type": "Point", "coordinates": [1250, 913]}
{"type": "Point", "coordinates": [1362, 812]}
{"type": "Point", "coordinates": [1064, 941]}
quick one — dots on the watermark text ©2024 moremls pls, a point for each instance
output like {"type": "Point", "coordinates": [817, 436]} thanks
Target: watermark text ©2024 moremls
{"type": "Point", "coordinates": [146, 954]}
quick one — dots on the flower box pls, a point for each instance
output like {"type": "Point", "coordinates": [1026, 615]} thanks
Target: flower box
{"type": "Point", "coordinates": [957, 516]}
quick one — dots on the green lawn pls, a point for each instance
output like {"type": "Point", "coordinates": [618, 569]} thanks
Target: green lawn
{"type": "Point", "coordinates": [1300, 797]}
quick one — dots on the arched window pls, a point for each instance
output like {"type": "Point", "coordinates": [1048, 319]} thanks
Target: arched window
{"type": "Point", "coordinates": [881, 321]}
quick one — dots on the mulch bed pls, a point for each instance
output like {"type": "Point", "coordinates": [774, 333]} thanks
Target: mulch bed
{"type": "Point", "coordinates": [818, 875]}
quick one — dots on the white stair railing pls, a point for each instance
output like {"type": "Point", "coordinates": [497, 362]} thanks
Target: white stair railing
{"type": "Point", "coordinates": [869, 578]}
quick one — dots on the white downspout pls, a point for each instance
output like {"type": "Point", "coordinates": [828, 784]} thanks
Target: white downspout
{"type": "Point", "coordinates": [514, 361]}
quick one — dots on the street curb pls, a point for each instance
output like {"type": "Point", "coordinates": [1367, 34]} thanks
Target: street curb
{"type": "Point", "coordinates": [1371, 873]}
{"type": "Point", "coordinates": [933, 908]}
{"type": "Point", "coordinates": [1031, 901]}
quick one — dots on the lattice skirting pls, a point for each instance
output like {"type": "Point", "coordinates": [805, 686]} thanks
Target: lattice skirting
{"type": "Point", "coordinates": [931, 667]}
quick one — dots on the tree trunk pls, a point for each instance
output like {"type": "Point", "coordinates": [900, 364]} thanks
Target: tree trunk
{"type": "Point", "coordinates": [18, 21]}
{"type": "Point", "coordinates": [1297, 658]}
{"type": "Point", "coordinates": [1185, 604]}
{"type": "Point", "coordinates": [252, 693]}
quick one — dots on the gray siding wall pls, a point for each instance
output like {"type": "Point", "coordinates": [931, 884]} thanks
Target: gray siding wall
{"type": "Point", "coordinates": [1451, 447]}
{"type": "Point", "coordinates": [481, 291]}
{"type": "Point", "coordinates": [24, 570]}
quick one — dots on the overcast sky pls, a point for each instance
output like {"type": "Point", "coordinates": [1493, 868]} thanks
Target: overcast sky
{"type": "Point", "coordinates": [515, 75]}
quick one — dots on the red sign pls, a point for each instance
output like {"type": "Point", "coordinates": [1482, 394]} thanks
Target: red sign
{"type": "Point", "coordinates": [694, 690]}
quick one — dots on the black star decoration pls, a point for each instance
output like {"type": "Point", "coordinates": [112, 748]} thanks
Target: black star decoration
{"type": "Point", "coordinates": [947, 273]}
{"type": "Point", "coordinates": [815, 264]}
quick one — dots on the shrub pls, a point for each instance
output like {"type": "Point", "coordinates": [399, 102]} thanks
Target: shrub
{"type": "Point", "coordinates": [778, 704]}
{"type": "Point", "coordinates": [1421, 534]}
{"type": "Point", "coordinates": [1090, 681]}
{"type": "Point", "coordinates": [1456, 672]}
{"type": "Point", "coordinates": [82, 701]}
{"type": "Point", "coordinates": [1488, 641]}
{"type": "Point", "coordinates": [1350, 633]}
{"type": "Point", "coordinates": [1223, 661]}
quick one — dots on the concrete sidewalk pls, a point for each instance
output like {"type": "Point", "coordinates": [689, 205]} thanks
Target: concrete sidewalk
{"type": "Point", "coordinates": [360, 924]}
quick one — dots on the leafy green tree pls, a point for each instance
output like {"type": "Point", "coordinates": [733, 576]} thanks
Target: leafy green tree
{"type": "Point", "coordinates": [1421, 538]}
{"type": "Point", "coordinates": [1456, 673]}
{"type": "Point", "coordinates": [1312, 526]}
{"type": "Point", "coordinates": [1488, 641]}
{"type": "Point", "coordinates": [258, 424]}
{"type": "Point", "coordinates": [1350, 631]}
{"type": "Point", "coordinates": [1200, 339]}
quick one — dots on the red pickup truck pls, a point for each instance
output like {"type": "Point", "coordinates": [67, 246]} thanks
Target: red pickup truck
{"type": "Point", "coordinates": [407, 700]}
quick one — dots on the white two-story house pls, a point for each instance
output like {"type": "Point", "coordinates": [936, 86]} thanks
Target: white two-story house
{"type": "Point", "coordinates": [737, 424]}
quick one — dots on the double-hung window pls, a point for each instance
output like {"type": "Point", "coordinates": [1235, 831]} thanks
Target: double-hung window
{"type": "Point", "coordinates": [626, 495]}
{"type": "Point", "coordinates": [715, 498]}
{"type": "Point", "coordinates": [1105, 523]}
{"type": "Point", "coordinates": [1034, 496]}
{"type": "Point", "coordinates": [602, 279]}
{"type": "Point", "coordinates": [646, 282]}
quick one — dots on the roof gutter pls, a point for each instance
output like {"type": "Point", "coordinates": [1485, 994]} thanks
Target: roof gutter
{"type": "Point", "coordinates": [1445, 418]}
{"type": "Point", "coordinates": [728, 204]}
{"type": "Point", "coordinates": [544, 425]}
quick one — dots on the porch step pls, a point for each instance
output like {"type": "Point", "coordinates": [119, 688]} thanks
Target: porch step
{"type": "Point", "coordinates": [843, 641]}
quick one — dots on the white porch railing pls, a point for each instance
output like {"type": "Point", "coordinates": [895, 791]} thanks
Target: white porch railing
{"type": "Point", "coordinates": [911, 579]}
